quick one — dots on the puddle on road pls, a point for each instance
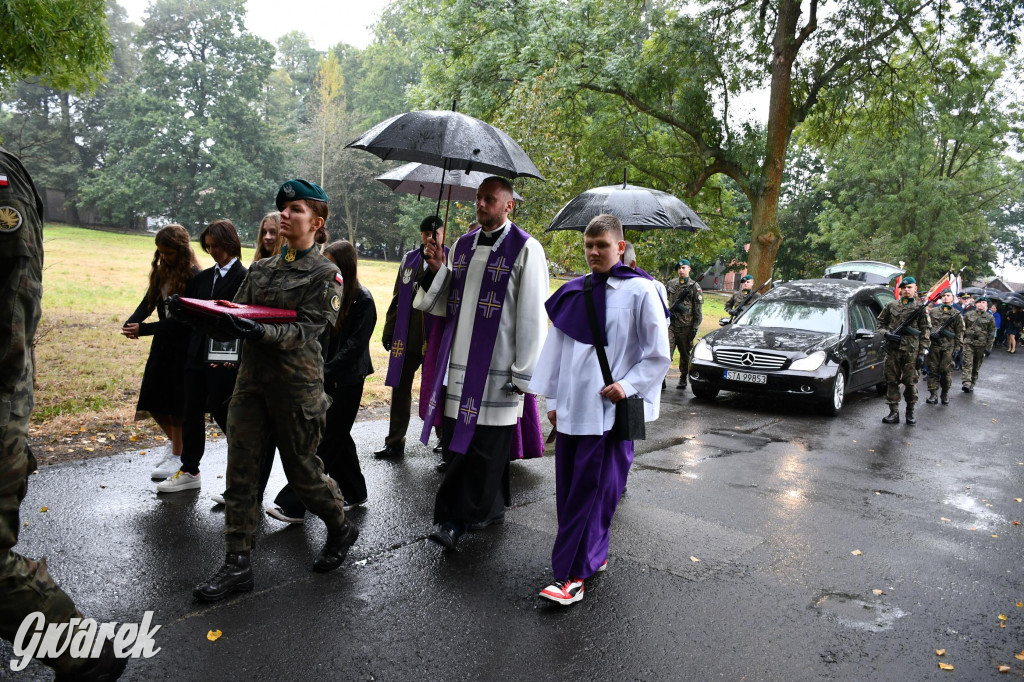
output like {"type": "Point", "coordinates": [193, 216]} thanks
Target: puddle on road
{"type": "Point", "coordinates": [853, 612]}
{"type": "Point", "coordinates": [983, 516]}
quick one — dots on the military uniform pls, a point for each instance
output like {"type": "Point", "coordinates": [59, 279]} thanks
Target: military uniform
{"type": "Point", "coordinates": [25, 584]}
{"type": "Point", "coordinates": [279, 393]}
{"type": "Point", "coordinates": [944, 346]}
{"type": "Point", "coordinates": [901, 357]}
{"type": "Point", "coordinates": [685, 299]}
{"type": "Point", "coordinates": [732, 305]}
{"type": "Point", "coordinates": [979, 335]}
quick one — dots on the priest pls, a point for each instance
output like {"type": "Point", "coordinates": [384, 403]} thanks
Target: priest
{"type": "Point", "coordinates": [591, 463]}
{"type": "Point", "coordinates": [491, 294]}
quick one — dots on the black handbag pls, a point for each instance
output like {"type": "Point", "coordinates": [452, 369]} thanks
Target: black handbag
{"type": "Point", "coordinates": [629, 412]}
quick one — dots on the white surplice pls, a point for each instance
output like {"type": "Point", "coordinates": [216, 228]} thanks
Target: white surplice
{"type": "Point", "coordinates": [569, 374]}
{"type": "Point", "coordinates": [521, 330]}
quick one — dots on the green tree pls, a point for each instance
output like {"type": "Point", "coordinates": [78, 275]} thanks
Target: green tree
{"type": "Point", "coordinates": [188, 137]}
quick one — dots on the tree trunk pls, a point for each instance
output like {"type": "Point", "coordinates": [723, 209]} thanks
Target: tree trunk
{"type": "Point", "coordinates": [765, 236]}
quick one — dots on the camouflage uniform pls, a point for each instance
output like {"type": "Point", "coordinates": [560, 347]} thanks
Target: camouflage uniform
{"type": "Point", "coordinates": [25, 584]}
{"type": "Point", "coordinates": [944, 345]}
{"type": "Point", "coordinates": [279, 394]}
{"type": "Point", "coordinates": [979, 335]}
{"type": "Point", "coordinates": [685, 299]}
{"type": "Point", "coordinates": [899, 360]}
{"type": "Point", "coordinates": [738, 298]}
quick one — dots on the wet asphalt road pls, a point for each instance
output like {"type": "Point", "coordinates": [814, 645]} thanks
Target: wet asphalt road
{"type": "Point", "coordinates": [771, 501]}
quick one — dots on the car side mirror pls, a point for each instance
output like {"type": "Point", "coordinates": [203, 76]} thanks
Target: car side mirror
{"type": "Point", "coordinates": [863, 334]}
{"type": "Point", "coordinates": [724, 321]}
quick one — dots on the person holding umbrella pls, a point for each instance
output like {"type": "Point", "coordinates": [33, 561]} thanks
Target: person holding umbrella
{"type": "Point", "coordinates": [405, 337]}
{"type": "Point", "coordinates": [490, 293]}
{"type": "Point", "coordinates": [685, 300]}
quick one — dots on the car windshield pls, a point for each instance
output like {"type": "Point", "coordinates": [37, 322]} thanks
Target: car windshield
{"type": "Point", "coordinates": [811, 317]}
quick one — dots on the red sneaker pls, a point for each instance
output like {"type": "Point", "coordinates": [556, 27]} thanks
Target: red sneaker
{"type": "Point", "coordinates": [564, 592]}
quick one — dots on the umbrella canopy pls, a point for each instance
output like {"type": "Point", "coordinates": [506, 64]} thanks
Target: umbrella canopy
{"type": "Point", "coordinates": [449, 140]}
{"type": "Point", "coordinates": [425, 181]}
{"type": "Point", "coordinates": [639, 208]}
{"type": "Point", "coordinates": [1015, 299]}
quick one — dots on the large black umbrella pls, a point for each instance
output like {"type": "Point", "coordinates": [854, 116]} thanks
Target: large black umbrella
{"type": "Point", "coordinates": [639, 208]}
{"type": "Point", "coordinates": [448, 140]}
{"type": "Point", "coordinates": [426, 181]}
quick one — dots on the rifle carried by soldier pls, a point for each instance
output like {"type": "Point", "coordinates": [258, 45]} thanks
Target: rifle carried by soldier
{"type": "Point", "coordinates": [942, 332]}
{"type": "Point", "coordinates": [733, 312]}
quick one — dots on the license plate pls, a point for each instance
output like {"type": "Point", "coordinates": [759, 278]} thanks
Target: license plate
{"type": "Point", "coordinates": [746, 376]}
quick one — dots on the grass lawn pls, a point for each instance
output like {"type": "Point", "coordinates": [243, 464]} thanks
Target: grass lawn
{"type": "Point", "coordinates": [88, 375]}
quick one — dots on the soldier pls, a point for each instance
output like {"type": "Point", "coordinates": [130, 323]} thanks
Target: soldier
{"type": "Point", "coordinates": [685, 299]}
{"type": "Point", "coordinates": [906, 351]}
{"type": "Point", "coordinates": [25, 584]}
{"type": "Point", "coordinates": [280, 391]}
{"type": "Point", "coordinates": [979, 335]}
{"type": "Point", "coordinates": [732, 305]}
{"type": "Point", "coordinates": [944, 345]}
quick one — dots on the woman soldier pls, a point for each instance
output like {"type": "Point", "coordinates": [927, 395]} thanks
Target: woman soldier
{"type": "Point", "coordinates": [279, 393]}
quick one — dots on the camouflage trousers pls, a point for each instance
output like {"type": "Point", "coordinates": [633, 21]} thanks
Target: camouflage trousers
{"type": "Point", "coordinates": [295, 421]}
{"type": "Point", "coordinates": [899, 369]}
{"type": "Point", "coordinates": [25, 584]}
{"type": "Point", "coordinates": [940, 367]}
{"type": "Point", "coordinates": [973, 357]}
{"type": "Point", "coordinates": [680, 338]}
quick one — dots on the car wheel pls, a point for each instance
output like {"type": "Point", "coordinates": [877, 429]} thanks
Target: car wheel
{"type": "Point", "coordinates": [835, 404]}
{"type": "Point", "coordinates": [704, 392]}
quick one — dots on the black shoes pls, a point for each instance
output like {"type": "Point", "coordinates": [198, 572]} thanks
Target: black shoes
{"type": "Point", "coordinates": [681, 387]}
{"type": "Point", "coordinates": [390, 451]}
{"type": "Point", "coordinates": [234, 576]}
{"type": "Point", "coordinates": [933, 398]}
{"type": "Point", "coordinates": [967, 388]}
{"type": "Point", "coordinates": [339, 541]}
{"type": "Point", "coordinates": [910, 415]}
{"type": "Point", "coordinates": [893, 416]}
{"type": "Point", "coordinates": [438, 449]}
{"type": "Point", "coordinates": [493, 521]}
{"type": "Point", "coordinates": [447, 535]}
{"type": "Point", "coordinates": [442, 466]}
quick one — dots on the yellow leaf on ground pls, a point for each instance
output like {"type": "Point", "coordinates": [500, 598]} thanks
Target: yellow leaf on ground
{"type": "Point", "coordinates": [943, 518]}
{"type": "Point", "coordinates": [1003, 668]}
{"type": "Point", "coordinates": [1020, 604]}
{"type": "Point", "coordinates": [945, 666]}
{"type": "Point", "coordinates": [994, 535]}
{"type": "Point", "coordinates": [694, 559]}
{"type": "Point", "coordinates": [132, 438]}
{"type": "Point", "coordinates": [1019, 657]}
{"type": "Point", "coordinates": [877, 593]}
{"type": "Point", "coordinates": [1002, 616]}
{"type": "Point", "coordinates": [940, 652]}
{"type": "Point", "coordinates": [213, 635]}
{"type": "Point", "coordinates": [1017, 499]}
{"type": "Point", "coordinates": [857, 552]}
{"type": "Point", "coordinates": [44, 509]}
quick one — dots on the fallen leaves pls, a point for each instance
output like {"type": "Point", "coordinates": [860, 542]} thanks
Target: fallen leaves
{"type": "Point", "coordinates": [1002, 616]}
{"type": "Point", "coordinates": [945, 666]}
{"type": "Point", "coordinates": [857, 552]}
{"type": "Point", "coordinates": [695, 560]}
{"type": "Point", "coordinates": [1017, 499]}
{"type": "Point", "coordinates": [1020, 656]}
{"type": "Point", "coordinates": [877, 593]}
{"type": "Point", "coordinates": [44, 509]}
{"type": "Point", "coordinates": [1003, 668]}
{"type": "Point", "coordinates": [940, 652]}
{"type": "Point", "coordinates": [943, 518]}
{"type": "Point", "coordinates": [213, 635]}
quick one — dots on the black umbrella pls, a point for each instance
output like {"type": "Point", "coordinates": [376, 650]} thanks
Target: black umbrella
{"type": "Point", "coordinates": [448, 140]}
{"type": "Point", "coordinates": [1015, 299]}
{"type": "Point", "coordinates": [426, 181]}
{"type": "Point", "coordinates": [639, 208]}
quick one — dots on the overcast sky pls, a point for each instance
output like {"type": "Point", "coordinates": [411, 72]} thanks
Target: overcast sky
{"type": "Point", "coordinates": [326, 22]}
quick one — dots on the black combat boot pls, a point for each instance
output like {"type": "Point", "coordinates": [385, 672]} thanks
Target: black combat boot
{"type": "Point", "coordinates": [933, 397]}
{"type": "Point", "coordinates": [390, 452]}
{"type": "Point", "coordinates": [338, 542]}
{"type": "Point", "coordinates": [234, 576]}
{"type": "Point", "coordinates": [894, 416]}
{"type": "Point", "coordinates": [910, 415]}
{"type": "Point", "coordinates": [944, 397]}
{"type": "Point", "coordinates": [966, 388]}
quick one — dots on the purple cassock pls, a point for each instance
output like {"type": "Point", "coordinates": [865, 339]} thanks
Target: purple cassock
{"type": "Point", "coordinates": [493, 287]}
{"type": "Point", "coordinates": [433, 328]}
{"type": "Point", "coordinates": [590, 471]}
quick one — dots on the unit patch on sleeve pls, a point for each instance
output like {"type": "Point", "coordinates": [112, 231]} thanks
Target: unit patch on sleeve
{"type": "Point", "coordinates": [10, 219]}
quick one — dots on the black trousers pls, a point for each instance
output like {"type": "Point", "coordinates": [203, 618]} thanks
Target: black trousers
{"type": "Point", "coordinates": [207, 389]}
{"type": "Point", "coordinates": [337, 451]}
{"type": "Point", "coordinates": [476, 486]}
{"type": "Point", "coordinates": [401, 403]}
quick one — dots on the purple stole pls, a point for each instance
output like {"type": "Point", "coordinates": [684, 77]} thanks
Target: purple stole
{"type": "Point", "coordinates": [493, 287]}
{"type": "Point", "coordinates": [567, 307]}
{"type": "Point", "coordinates": [411, 266]}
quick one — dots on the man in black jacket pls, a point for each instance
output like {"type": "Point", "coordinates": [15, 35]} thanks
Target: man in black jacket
{"type": "Point", "coordinates": [209, 382]}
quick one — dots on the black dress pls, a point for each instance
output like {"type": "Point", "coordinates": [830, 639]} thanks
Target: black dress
{"type": "Point", "coordinates": [163, 382]}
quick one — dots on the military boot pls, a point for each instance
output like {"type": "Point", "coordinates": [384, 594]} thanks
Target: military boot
{"type": "Point", "coordinates": [910, 415]}
{"type": "Point", "coordinates": [933, 397]}
{"type": "Point", "coordinates": [336, 548]}
{"type": "Point", "coordinates": [894, 416]}
{"type": "Point", "coordinates": [944, 397]}
{"type": "Point", "coordinates": [234, 576]}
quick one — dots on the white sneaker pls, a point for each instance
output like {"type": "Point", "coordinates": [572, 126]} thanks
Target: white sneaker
{"type": "Point", "coordinates": [181, 480]}
{"type": "Point", "coordinates": [166, 468]}
{"type": "Point", "coordinates": [278, 513]}
{"type": "Point", "coordinates": [218, 498]}
{"type": "Point", "coordinates": [349, 506]}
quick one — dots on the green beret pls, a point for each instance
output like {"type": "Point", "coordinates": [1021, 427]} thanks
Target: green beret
{"type": "Point", "coordinates": [907, 280]}
{"type": "Point", "coordinates": [945, 291]}
{"type": "Point", "coordinates": [431, 223]}
{"type": "Point", "coordinates": [682, 262]}
{"type": "Point", "coordinates": [745, 278]}
{"type": "Point", "coordinates": [983, 299]}
{"type": "Point", "coordinates": [299, 189]}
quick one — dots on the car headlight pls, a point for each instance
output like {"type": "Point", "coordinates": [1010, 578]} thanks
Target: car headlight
{"type": "Point", "coordinates": [702, 351]}
{"type": "Point", "coordinates": [810, 363]}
